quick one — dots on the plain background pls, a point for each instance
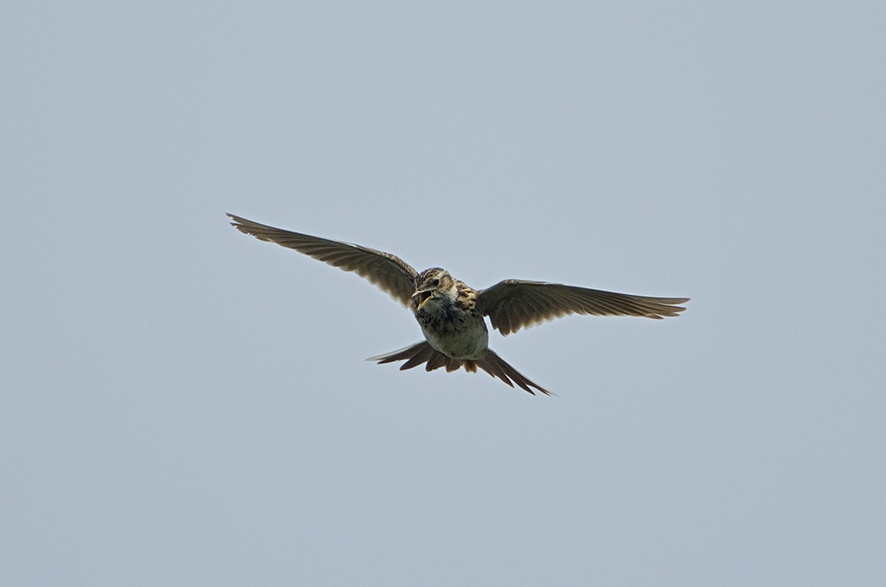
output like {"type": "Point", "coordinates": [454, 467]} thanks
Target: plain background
{"type": "Point", "coordinates": [185, 405]}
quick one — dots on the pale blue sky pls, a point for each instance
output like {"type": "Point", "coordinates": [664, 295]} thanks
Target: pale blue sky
{"type": "Point", "coordinates": [184, 405]}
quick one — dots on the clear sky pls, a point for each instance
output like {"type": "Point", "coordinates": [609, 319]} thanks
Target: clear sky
{"type": "Point", "coordinates": [184, 405]}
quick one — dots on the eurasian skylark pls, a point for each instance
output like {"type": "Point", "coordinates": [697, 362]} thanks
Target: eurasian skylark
{"type": "Point", "coordinates": [451, 314]}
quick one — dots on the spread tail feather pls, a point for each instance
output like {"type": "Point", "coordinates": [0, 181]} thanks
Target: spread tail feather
{"type": "Point", "coordinates": [423, 352]}
{"type": "Point", "coordinates": [497, 367]}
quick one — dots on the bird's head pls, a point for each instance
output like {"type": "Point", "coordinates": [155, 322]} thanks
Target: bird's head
{"type": "Point", "coordinates": [433, 283]}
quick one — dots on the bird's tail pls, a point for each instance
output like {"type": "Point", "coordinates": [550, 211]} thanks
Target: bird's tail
{"type": "Point", "coordinates": [497, 367]}
{"type": "Point", "coordinates": [423, 352]}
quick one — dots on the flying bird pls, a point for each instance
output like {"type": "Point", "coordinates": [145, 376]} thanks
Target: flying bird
{"type": "Point", "coordinates": [452, 314]}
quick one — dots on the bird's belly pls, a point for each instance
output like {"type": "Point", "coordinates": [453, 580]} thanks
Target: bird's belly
{"type": "Point", "coordinates": [468, 341]}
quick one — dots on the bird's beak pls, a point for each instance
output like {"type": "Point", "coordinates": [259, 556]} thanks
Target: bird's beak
{"type": "Point", "coordinates": [423, 297]}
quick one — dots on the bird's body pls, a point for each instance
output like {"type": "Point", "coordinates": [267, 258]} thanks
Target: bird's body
{"type": "Point", "coordinates": [451, 314]}
{"type": "Point", "coordinates": [449, 318]}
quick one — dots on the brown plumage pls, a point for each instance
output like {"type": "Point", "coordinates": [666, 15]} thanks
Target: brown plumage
{"type": "Point", "coordinates": [451, 314]}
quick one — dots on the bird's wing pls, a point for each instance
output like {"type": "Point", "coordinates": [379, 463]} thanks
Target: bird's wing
{"type": "Point", "coordinates": [514, 304]}
{"type": "Point", "coordinates": [390, 273]}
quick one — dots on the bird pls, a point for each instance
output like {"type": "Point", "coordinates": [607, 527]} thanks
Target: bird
{"type": "Point", "coordinates": [451, 314]}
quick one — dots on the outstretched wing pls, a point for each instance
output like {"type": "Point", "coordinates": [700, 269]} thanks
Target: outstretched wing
{"type": "Point", "coordinates": [390, 273]}
{"type": "Point", "coordinates": [514, 304]}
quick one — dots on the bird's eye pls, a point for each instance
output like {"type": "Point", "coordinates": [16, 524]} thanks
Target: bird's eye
{"type": "Point", "coordinates": [435, 281]}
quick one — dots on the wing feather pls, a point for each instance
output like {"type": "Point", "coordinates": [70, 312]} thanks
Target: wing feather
{"type": "Point", "coordinates": [514, 304]}
{"type": "Point", "coordinates": [390, 273]}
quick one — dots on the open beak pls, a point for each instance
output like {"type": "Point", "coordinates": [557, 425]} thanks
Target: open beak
{"type": "Point", "coordinates": [423, 297]}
